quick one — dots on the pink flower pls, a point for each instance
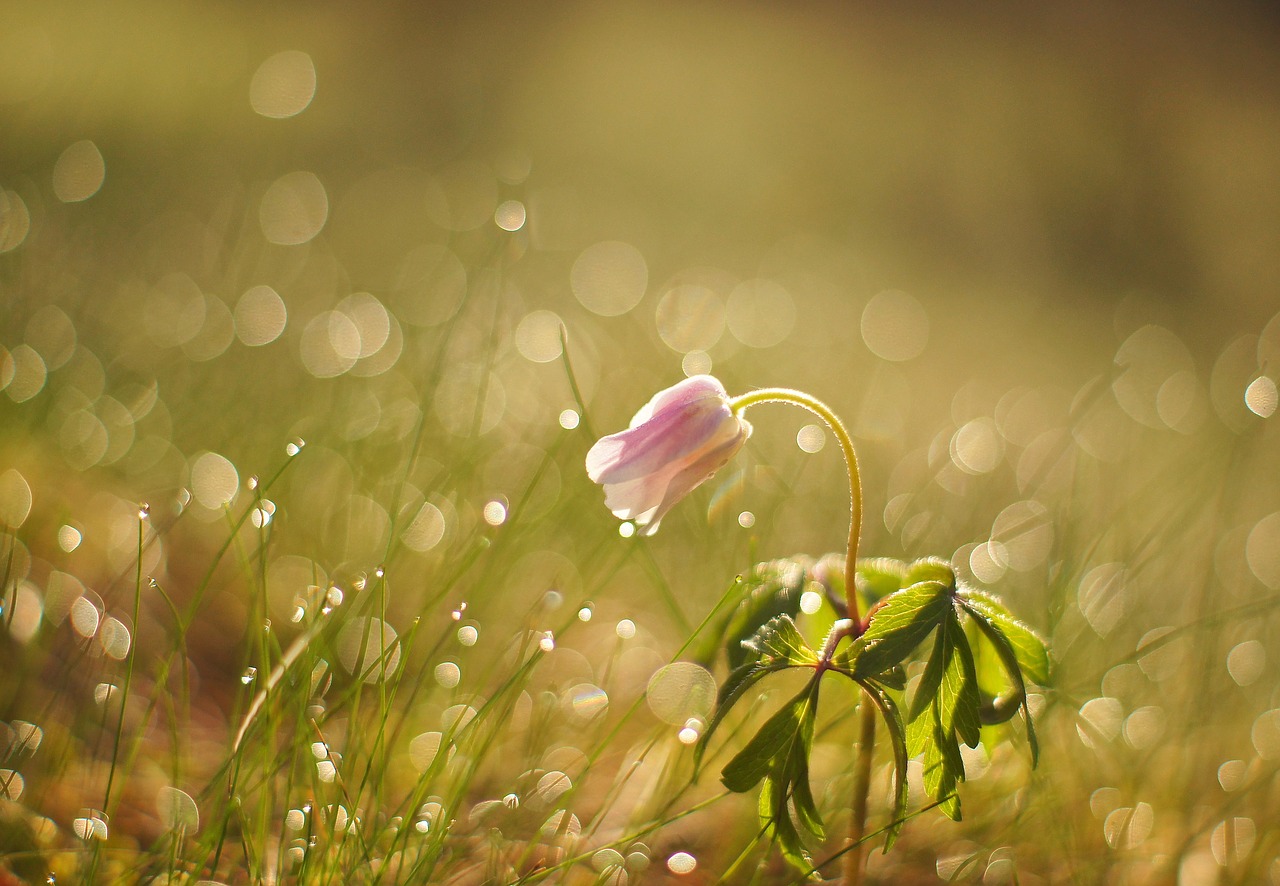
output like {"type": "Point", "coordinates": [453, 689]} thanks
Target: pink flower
{"type": "Point", "coordinates": [675, 443]}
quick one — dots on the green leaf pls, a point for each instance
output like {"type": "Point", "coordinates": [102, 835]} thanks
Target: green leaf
{"type": "Point", "coordinates": [950, 683]}
{"type": "Point", "coordinates": [755, 761]}
{"type": "Point", "coordinates": [732, 691]}
{"type": "Point", "coordinates": [797, 773]}
{"type": "Point", "coordinates": [1031, 653]}
{"type": "Point", "coordinates": [893, 722]}
{"type": "Point", "coordinates": [931, 680]}
{"type": "Point", "coordinates": [943, 766]}
{"type": "Point", "coordinates": [773, 588]}
{"type": "Point", "coordinates": [1012, 665]}
{"type": "Point", "coordinates": [779, 638]}
{"type": "Point", "coordinates": [903, 620]}
{"type": "Point", "coordinates": [931, 569]}
{"type": "Point", "coordinates": [880, 577]}
{"type": "Point", "coordinates": [787, 739]}
{"type": "Point", "coordinates": [959, 695]}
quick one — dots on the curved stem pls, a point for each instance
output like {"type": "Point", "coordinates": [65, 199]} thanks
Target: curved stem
{"type": "Point", "coordinates": [823, 411]}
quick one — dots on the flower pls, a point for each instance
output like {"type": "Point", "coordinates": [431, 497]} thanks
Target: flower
{"type": "Point", "coordinates": [676, 442]}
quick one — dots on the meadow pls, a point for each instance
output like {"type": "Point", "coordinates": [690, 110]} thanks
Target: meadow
{"type": "Point", "coordinates": [309, 319]}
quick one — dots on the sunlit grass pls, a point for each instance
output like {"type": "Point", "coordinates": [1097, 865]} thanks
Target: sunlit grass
{"type": "Point", "coordinates": [303, 579]}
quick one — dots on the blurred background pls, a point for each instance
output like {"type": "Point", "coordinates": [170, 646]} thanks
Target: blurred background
{"type": "Point", "coordinates": [1029, 254]}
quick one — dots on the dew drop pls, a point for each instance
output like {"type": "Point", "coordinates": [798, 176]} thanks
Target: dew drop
{"type": "Point", "coordinates": [1262, 397]}
{"type": "Point", "coordinates": [626, 629]}
{"type": "Point", "coordinates": [69, 538]}
{"type": "Point", "coordinates": [250, 674]}
{"type": "Point", "coordinates": [811, 438]}
{"type": "Point", "coordinates": [547, 643]}
{"type": "Point", "coordinates": [510, 216]}
{"type": "Point", "coordinates": [448, 674]}
{"type": "Point", "coordinates": [144, 511]}
{"type": "Point", "coordinates": [682, 863]}
{"type": "Point", "coordinates": [495, 513]}
{"type": "Point", "coordinates": [11, 784]}
{"type": "Point", "coordinates": [569, 419]}
{"type": "Point", "coordinates": [1231, 774]}
{"type": "Point", "coordinates": [584, 614]}
{"type": "Point", "coordinates": [627, 529]}
{"type": "Point", "coordinates": [810, 602]}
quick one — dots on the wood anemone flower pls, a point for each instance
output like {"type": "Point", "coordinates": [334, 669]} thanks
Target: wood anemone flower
{"type": "Point", "coordinates": [676, 442]}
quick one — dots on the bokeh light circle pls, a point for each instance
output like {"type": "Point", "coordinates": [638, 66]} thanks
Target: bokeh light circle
{"type": "Point", "coordinates": [284, 85]}
{"type": "Point", "coordinates": [895, 326]}
{"type": "Point", "coordinates": [609, 278]}
{"type": "Point", "coordinates": [294, 209]}
{"type": "Point", "coordinates": [79, 172]}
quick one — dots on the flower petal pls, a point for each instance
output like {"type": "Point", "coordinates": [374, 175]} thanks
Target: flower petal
{"type": "Point", "coordinates": [680, 394]}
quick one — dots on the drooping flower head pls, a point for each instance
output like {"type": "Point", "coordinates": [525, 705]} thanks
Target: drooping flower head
{"type": "Point", "coordinates": [676, 442]}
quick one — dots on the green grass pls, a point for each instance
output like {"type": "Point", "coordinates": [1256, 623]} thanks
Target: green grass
{"type": "Point", "coordinates": [376, 626]}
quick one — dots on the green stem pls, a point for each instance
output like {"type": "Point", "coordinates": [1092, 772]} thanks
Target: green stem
{"type": "Point", "coordinates": [823, 411]}
{"type": "Point", "coordinates": [861, 787]}
{"type": "Point", "coordinates": [867, 736]}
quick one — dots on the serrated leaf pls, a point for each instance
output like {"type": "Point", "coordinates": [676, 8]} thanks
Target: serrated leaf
{"type": "Point", "coordinates": [931, 569]}
{"type": "Point", "coordinates": [901, 623]}
{"type": "Point", "coordinates": [943, 766]}
{"type": "Point", "coordinates": [754, 761]}
{"type": "Point", "coordinates": [787, 779]}
{"type": "Point", "coordinates": [789, 844]}
{"type": "Point", "coordinates": [950, 684]}
{"type": "Point", "coordinates": [779, 638]}
{"type": "Point", "coordinates": [775, 738]}
{"type": "Point", "coordinates": [797, 773]}
{"type": "Point", "coordinates": [926, 690]}
{"type": "Point", "coordinates": [960, 687]}
{"type": "Point", "coordinates": [919, 733]}
{"type": "Point", "coordinates": [1031, 653]}
{"type": "Point", "coordinates": [893, 722]}
{"type": "Point", "coordinates": [731, 692]}
{"type": "Point", "coordinates": [1008, 656]}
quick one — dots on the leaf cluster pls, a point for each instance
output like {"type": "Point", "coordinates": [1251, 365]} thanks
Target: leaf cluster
{"type": "Point", "coordinates": [948, 706]}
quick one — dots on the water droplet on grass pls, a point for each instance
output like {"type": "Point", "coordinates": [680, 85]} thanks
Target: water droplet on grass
{"type": "Point", "coordinates": [587, 700]}
{"type": "Point", "coordinates": [448, 674]}
{"type": "Point", "coordinates": [177, 811]}
{"type": "Point", "coordinates": [1231, 774]}
{"type": "Point", "coordinates": [682, 863]}
{"type": "Point", "coordinates": [250, 674]}
{"type": "Point", "coordinates": [11, 784]}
